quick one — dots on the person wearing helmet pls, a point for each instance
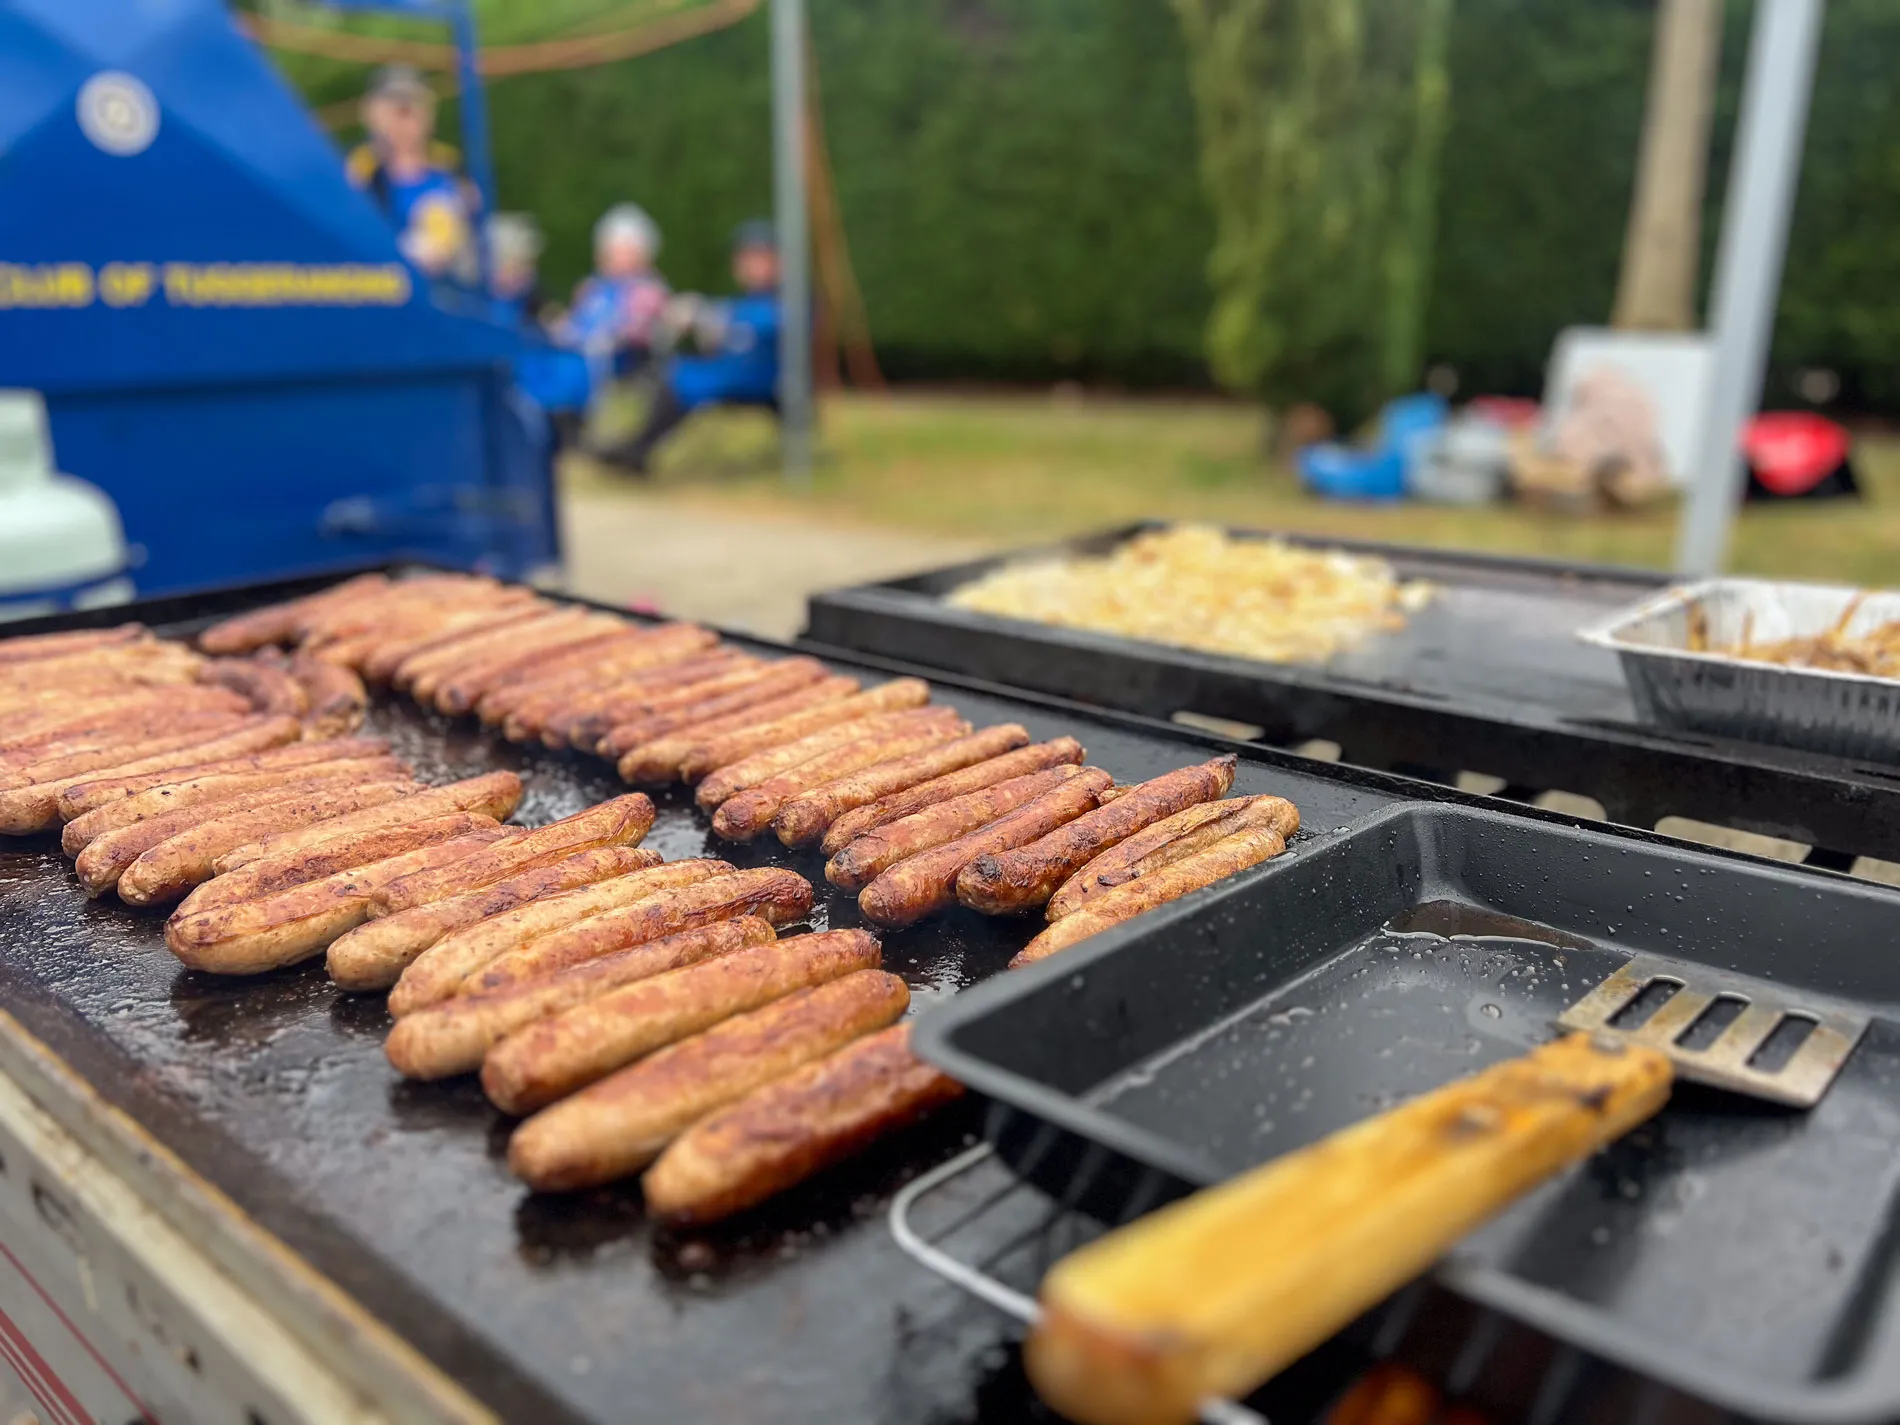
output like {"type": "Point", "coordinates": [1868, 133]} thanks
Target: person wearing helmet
{"type": "Point", "coordinates": [739, 339]}
{"type": "Point", "coordinates": [412, 179]}
{"type": "Point", "coordinates": [615, 311]}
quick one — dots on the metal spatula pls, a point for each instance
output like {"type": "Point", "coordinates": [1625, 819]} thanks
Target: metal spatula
{"type": "Point", "coordinates": [1215, 1294]}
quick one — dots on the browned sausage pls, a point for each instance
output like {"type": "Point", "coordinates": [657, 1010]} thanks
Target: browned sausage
{"type": "Point", "coordinates": [779, 1135]}
{"type": "Point", "coordinates": [119, 718]}
{"type": "Point", "coordinates": [338, 853]}
{"type": "Point", "coordinates": [269, 689]}
{"type": "Point", "coordinates": [658, 759]}
{"type": "Point", "coordinates": [641, 715]}
{"type": "Point", "coordinates": [336, 697]}
{"type": "Point", "coordinates": [35, 805]}
{"type": "Point", "coordinates": [435, 627]}
{"type": "Point", "coordinates": [1026, 876]}
{"type": "Point", "coordinates": [559, 624]}
{"type": "Point", "coordinates": [194, 791]}
{"type": "Point", "coordinates": [170, 868]}
{"type": "Point", "coordinates": [619, 822]}
{"type": "Point", "coordinates": [912, 889]}
{"type": "Point", "coordinates": [1169, 840]}
{"type": "Point", "coordinates": [731, 778]}
{"type": "Point", "coordinates": [460, 689]}
{"type": "Point", "coordinates": [36, 646]}
{"type": "Point", "coordinates": [635, 648]}
{"type": "Point", "coordinates": [451, 1037]}
{"type": "Point", "coordinates": [493, 794]}
{"type": "Point", "coordinates": [777, 895]}
{"type": "Point", "coordinates": [897, 805]}
{"type": "Point", "coordinates": [254, 936]}
{"type": "Point", "coordinates": [98, 790]}
{"type": "Point", "coordinates": [444, 969]}
{"type": "Point", "coordinates": [1226, 857]}
{"type": "Point", "coordinates": [622, 1123]}
{"type": "Point", "coordinates": [757, 808]}
{"type": "Point", "coordinates": [557, 717]}
{"type": "Point", "coordinates": [107, 857]}
{"type": "Point", "coordinates": [806, 814]}
{"type": "Point", "coordinates": [276, 624]}
{"type": "Point", "coordinates": [464, 645]}
{"type": "Point", "coordinates": [552, 1057]}
{"type": "Point", "coordinates": [875, 852]}
{"type": "Point", "coordinates": [373, 956]}
{"type": "Point", "coordinates": [714, 754]}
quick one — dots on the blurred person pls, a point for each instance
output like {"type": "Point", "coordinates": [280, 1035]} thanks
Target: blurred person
{"type": "Point", "coordinates": [740, 339]}
{"type": "Point", "coordinates": [616, 310]}
{"type": "Point", "coordinates": [514, 279]}
{"type": "Point", "coordinates": [412, 178]}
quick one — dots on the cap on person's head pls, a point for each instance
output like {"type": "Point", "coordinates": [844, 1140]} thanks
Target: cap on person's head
{"type": "Point", "coordinates": [628, 222]}
{"type": "Point", "coordinates": [514, 237]}
{"type": "Point", "coordinates": [755, 233]}
{"type": "Point", "coordinates": [402, 82]}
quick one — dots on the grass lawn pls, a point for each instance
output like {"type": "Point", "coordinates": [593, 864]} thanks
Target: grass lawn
{"type": "Point", "coordinates": [1019, 469]}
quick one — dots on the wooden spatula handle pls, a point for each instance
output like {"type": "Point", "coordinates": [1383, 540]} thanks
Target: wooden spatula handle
{"type": "Point", "coordinates": [1215, 1294]}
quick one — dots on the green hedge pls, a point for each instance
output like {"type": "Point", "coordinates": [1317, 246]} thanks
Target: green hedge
{"type": "Point", "coordinates": [1019, 181]}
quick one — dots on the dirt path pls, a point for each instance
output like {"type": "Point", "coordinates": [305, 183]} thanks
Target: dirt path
{"type": "Point", "coordinates": [747, 572]}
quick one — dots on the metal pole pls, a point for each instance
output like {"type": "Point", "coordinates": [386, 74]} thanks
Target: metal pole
{"type": "Point", "coordinates": [1755, 214]}
{"type": "Point", "coordinates": [788, 202]}
{"type": "Point", "coordinates": [476, 159]}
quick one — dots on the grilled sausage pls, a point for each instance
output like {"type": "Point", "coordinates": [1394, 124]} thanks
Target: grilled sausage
{"type": "Point", "coordinates": [913, 888]}
{"type": "Point", "coordinates": [893, 807]}
{"type": "Point", "coordinates": [633, 650]}
{"type": "Point", "coordinates": [33, 805]}
{"type": "Point", "coordinates": [460, 689]}
{"type": "Point", "coordinates": [335, 696]}
{"type": "Point", "coordinates": [442, 970]}
{"type": "Point", "coordinates": [472, 642]}
{"type": "Point", "coordinates": [558, 718]}
{"type": "Point", "coordinates": [253, 936]}
{"type": "Point", "coordinates": [275, 624]}
{"type": "Point", "coordinates": [898, 695]}
{"type": "Point", "coordinates": [658, 759]}
{"type": "Point", "coordinates": [107, 857]}
{"type": "Point", "coordinates": [97, 790]}
{"type": "Point", "coordinates": [829, 747]}
{"type": "Point", "coordinates": [141, 712]}
{"type": "Point", "coordinates": [437, 627]}
{"type": "Point", "coordinates": [1026, 876]}
{"type": "Point", "coordinates": [622, 1123]}
{"type": "Point", "coordinates": [777, 895]}
{"type": "Point", "coordinates": [619, 822]}
{"type": "Point", "coordinates": [167, 870]}
{"type": "Point", "coordinates": [779, 1135]}
{"type": "Point", "coordinates": [1226, 857]}
{"type": "Point", "coordinates": [451, 1037]}
{"type": "Point", "coordinates": [216, 786]}
{"type": "Point", "coordinates": [373, 956]}
{"type": "Point", "coordinates": [641, 715]}
{"type": "Point", "coordinates": [339, 853]}
{"type": "Point", "coordinates": [554, 626]}
{"type": "Point", "coordinates": [493, 794]}
{"type": "Point", "coordinates": [1169, 840]}
{"type": "Point", "coordinates": [875, 852]}
{"type": "Point", "coordinates": [267, 688]}
{"type": "Point", "coordinates": [35, 646]}
{"type": "Point", "coordinates": [847, 748]}
{"type": "Point", "coordinates": [806, 814]}
{"type": "Point", "coordinates": [552, 1057]}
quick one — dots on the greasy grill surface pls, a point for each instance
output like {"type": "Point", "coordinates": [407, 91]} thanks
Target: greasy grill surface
{"type": "Point", "coordinates": [276, 1090]}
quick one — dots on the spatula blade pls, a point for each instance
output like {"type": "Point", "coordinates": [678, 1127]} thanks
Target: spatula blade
{"type": "Point", "coordinates": [1730, 1060]}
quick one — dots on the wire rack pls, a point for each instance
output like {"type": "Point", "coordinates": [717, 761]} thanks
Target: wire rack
{"type": "Point", "coordinates": [975, 1224]}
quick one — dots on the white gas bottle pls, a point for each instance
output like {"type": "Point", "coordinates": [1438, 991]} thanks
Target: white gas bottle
{"type": "Point", "coordinates": [61, 544]}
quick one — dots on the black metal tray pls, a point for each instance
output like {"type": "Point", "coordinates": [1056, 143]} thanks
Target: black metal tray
{"type": "Point", "coordinates": [276, 1091]}
{"type": "Point", "coordinates": [1489, 677]}
{"type": "Point", "coordinates": [1734, 1250]}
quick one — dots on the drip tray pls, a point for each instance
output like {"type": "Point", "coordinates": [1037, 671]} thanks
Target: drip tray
{"type": "Point", "coordinates": [1734, 1248]}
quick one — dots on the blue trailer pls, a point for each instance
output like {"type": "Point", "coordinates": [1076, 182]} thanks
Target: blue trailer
{"type": "Point", "coordinates": [227, 339]}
